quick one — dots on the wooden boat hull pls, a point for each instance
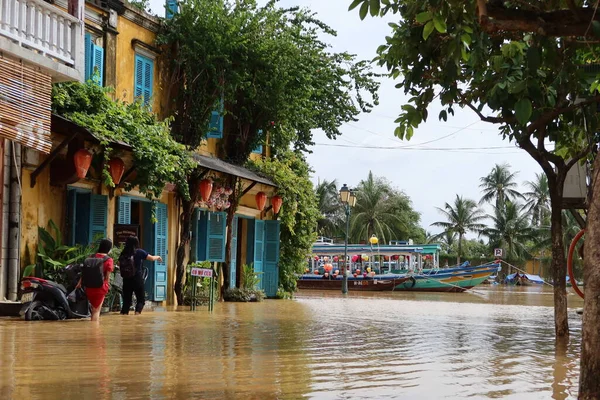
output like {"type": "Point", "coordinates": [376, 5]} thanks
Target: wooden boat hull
{"type": "Point", "coordinates": [445, 283]}
{"type": "Point", "coordinates": [354, 284]}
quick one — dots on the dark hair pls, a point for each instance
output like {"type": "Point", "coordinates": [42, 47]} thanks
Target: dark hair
{"type": "Point", "coordinates": [105, 246]}
{"type": "Point", "coordinates": [131, 245]}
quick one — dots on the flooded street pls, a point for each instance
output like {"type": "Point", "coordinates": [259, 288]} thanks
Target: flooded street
{"type": "Point", "coordinates": [496, 343]}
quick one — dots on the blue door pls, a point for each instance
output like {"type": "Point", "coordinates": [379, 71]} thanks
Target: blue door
{"type": "Point", "coordinates": [271, 258]}
{"type": "Point", "coordinates": [215, 243]}
{"type": "Point", "coordinates": [259, 248]}
{"type": "Point", "coordinates": [160, 247]}
{"type": "Point", "coordinates": [98, 217]}
{"type": "Point", "coordinates": [233, 261]}
{"type": "Point", "coordinates": [124, 211]}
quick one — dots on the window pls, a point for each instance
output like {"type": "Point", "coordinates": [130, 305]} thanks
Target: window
{"type": "Point", "coordinates": [144, 77]}
{"type": "Point", "coordinates": [215, 127]}
{"type": "Point", "coordinates": [94, 61]}
{"type": "Point", "coordinates": [259, 148]}
{"type": "Point", "coordinates": [171, 9]}
{"type": "Point", "coordinates": [86, 216]}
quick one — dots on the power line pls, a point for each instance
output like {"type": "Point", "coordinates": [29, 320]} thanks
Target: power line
{"type": "Point", "coordinates": [413, 148]}
{"type": "Point", "coordinates": [441, 125]}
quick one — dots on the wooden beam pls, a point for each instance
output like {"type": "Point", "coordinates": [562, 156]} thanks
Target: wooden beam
{"type": "Point", "coordinates": [578, 218]}
{"type": "Point", "coordinates": [247, 189]}
{"type": "Point", "coordinates": [51, 158]}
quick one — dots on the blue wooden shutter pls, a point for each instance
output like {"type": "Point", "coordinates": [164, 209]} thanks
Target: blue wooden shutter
{"type": "Point", "coordinates": [172, 9]}
{"type": "Point", "coordinates": [259, 148]}
{"type": "Point", "coordinates": [88, 56]}
{"type": "Point", "coordinates": [233, 263]}
{"type": "Point", "coordinates": [259, 249]}
{"type": "Point", "coordinates": [138, 77]}
{"type": "Point", "coordinates": [215, 128]}
{"type": "Point", "coordinates": [124, 212]}
{"type": "Point", "coordinates": [160, 248]}
{"type": "Point", "coordinates": [143, 79]}
{"type": "Point", "coordinates": [215, 245]}
{"type": "Point", "coordinates": [201, 235]}
{"type": "Point", "coordinates": [97, 65]}
{"type": "Point", "coordinates": [98, 217]}
{"type": "Point", "coordinates": [194, 239]}
{"type": "Point", "coordinates": [271, 275]}
{"type": "Point", "coordinates": [148, 80]}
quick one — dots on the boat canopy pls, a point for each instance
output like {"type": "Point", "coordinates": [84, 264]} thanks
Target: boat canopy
{"type": "Point", "coordinates": [385, 250]}
{"type": "Point", "coordinates": [532, 278]}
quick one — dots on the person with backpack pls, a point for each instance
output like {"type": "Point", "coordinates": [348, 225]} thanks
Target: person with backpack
{"type": "Point", "coordinates": [131, 264]}
{"type": "Point", "coordinates": [95, 277]}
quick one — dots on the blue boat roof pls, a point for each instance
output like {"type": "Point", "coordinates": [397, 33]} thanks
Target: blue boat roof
{"type": "Point", "coordinates": [388, 250]}
{"type": "Point", "coordinates": [533, 278]}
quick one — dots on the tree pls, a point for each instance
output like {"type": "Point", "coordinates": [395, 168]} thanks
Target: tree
{"type": "Point", "coordinates": [538, 199]}
{"type": "Point", "coordinates": [525, 82]}
{"type": "Point", "coordinates": [270, 73]}
{"type": "Point", "coordinates": [499, 185]}
{"type": "Point", "coordinates": [330, 208]}
{"type": "Point", "coordinates": [511, 231]}
{"type": "Point", "coordinates": [461, 217]}
{"type": "Point", "coordinates": [382, 211]}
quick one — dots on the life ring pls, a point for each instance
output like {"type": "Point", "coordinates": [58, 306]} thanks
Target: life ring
{"type": "Point", "coordinates": [570, 262]}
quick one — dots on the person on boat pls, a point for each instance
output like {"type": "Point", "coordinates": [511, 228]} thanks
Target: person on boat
{"type": "Point", "coordinates": [326, 276]}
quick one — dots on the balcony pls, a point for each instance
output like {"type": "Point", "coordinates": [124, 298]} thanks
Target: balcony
{"type": "Point", "coordinates": [44, 36]}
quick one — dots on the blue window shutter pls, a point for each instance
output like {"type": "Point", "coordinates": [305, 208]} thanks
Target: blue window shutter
{"type": "Point", "coordinates": [259, 249]}
{"type": "Point", "coordinates": [148, 80]}
{"type": "Point", "coordinates": [88, 56]}
{"type": "Point", "coordinates": [194, 240]}
{"type": "Point", "coordinates": [215, 127]}
{"type": "Point", "coordinates": [171, 9]}
{"type": "Point", "coordinates": [124, 211]}
{"type": "Point", "coordinates": [71, 216]}
{"type": "Point", "coordinates": [160, 249]}
{"type": "Point", "coordinates": [138, 77]}
{"type": "Point", "coordinates": [233, 263]}
{"type": "Point", "coordinates": [97, 65]}
{"type": "Point", "coordinates": [201, 235]}
{"type": "Point", "coordinates": [259, 148]}
{"type": "Point", "coordinates": [271, 258]}
{"type": "Point", "coordinates": [98, 217]}
{"type": "Point", "coordinates": [215, 244]}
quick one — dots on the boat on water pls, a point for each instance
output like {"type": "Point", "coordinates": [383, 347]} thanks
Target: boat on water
{"type": "Point", "coordinates": [519, 279]}
{"type": "Point", "coordinates": [455, 281]}
{"type": "Point", "coordinates": [376, 283]}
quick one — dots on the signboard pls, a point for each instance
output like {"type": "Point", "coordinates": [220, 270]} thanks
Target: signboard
{"type": "Point", "coordinates": [123, 231]}
{"type": "Point", "coordinates": [202, 272]}
{"type": "Point", "coordinates": [497, 252]}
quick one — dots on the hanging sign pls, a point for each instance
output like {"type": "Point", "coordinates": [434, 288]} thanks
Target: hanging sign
{"type": "Point", "coordinates": [202, 272]}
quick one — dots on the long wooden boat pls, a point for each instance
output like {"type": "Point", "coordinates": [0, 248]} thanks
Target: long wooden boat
{"type": "Point", "coordinates": [376, 284]}
{"type": "Point", "coordinates": [449, 282]}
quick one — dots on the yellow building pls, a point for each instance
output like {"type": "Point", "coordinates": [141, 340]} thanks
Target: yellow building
{"type": "Point", "coordinates": [120, 52]}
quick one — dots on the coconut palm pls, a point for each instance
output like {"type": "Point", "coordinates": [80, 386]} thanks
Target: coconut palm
{"type": "Point", "coordinates": [447, 239]}
{"type": "Point", "coordinates": [538, 199]}
{"type": "Point", "coordinates": [461, 217]}
{"type": "Point", "coordinates": [499, 186]}
{"type": "Point", "coordinates": [511, 231]}
{"type": "Point", "coordinates": [376, 210]}
{"type": "Point", "coordinates": [330, 208]}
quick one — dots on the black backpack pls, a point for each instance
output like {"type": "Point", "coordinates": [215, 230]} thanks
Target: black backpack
{"type": "Point", "coordinates": [127, 266]}
{"type": "Point", "coordinates": [92, 272]}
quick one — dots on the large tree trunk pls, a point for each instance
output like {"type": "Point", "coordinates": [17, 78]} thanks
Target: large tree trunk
{"type": "Point", "coordinates": [589, 384]}
{"type": "Point", "coordinates": [558, 264]}
{"type": "Point", "coordinates": [232, 182]}
{"type": "Point", "coordinates": [459, 249]}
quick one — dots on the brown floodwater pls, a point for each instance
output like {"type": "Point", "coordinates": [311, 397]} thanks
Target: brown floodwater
{"type": "Point", "coordinates": [496, 343]}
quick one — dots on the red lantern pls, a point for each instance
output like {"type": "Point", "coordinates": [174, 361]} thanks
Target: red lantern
{"type": "Point", "coordinates": [261, 200]}
{"type": "Point", "coordinates": [116, 167]}
{"type": "Point", "coordinates": [277, 201]}
{"type": "Point", "coordinates": [328, 267]}
{"type": "Point", "coordinates": [206, 187]}
{"type": "Point", "coordinates": [335, 258]}
{"type": "Point", "coordinates": [83, 160]}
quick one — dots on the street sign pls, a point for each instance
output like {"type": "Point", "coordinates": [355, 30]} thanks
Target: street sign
{"type": "Point", "coordinates": [497, 252]}
{"type": "Point", "coordinates": [203, 272]}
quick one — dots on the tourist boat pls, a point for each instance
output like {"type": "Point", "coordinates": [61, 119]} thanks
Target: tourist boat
{"type": "Point", "coordinates": [455, 281]}
{"type": "Point", "coordinates": [518, 279]}
{"type": "Point", "coordinates": [377, 283]}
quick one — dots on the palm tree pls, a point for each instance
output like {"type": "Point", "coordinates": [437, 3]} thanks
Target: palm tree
{"type": "Point", "coordinates": [446, 239]}
{"type": "Point", "coordinates": [538, 199]}
{"type": "Point", "coordinates": [511, 231]}
{"type": "Point", "coordinates": [461, 217]}
{"type": "Point", "coordinates": [499, 185]}
{"type": "Point", "coordinates": [375, 211]}
{"type": "Point", "coordinates": [330, 208]}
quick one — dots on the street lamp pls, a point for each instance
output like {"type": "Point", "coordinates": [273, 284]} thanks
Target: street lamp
{"type": "Point", "coordinates": [348, 199]}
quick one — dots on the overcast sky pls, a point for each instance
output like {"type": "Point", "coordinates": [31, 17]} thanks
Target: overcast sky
{"type": "Point", "coordinates": [429, 177]}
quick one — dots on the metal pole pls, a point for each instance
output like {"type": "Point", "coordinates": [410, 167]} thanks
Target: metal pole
{"type": "Point", "coordinates": [345, 272]}
{"type": "Point", "coordinates": [194, 283]}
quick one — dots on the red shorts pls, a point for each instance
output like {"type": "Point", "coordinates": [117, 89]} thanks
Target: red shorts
{"type": "Point", "coordinates": [96, 296]}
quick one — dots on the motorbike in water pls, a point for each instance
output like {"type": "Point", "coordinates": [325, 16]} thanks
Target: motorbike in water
{"type": "Point", "coordinates": [47, 300]}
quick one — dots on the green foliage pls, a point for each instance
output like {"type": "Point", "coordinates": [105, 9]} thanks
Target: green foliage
{"type": "Point", "coordinates": [202, 296]}
{"type": "Point", "coordinates": [298, 215]}
{"type": "Point", "coordinates": [250, 279]}
{"type": "Point", "coordinates": [332, 218]}
{"type": "Point", "coordinates": [499, 186]}
{"type": "Point", "coordinates": [243, 295]}
{"type": "Point", "coordinates": [157, 157]}
{"type": "Point", "coordinates": [273, 70]}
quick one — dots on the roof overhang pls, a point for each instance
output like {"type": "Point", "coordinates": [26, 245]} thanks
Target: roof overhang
{"type": "Point", "coordinates": [66, 127]}
{"type": "Point", "coordinates": [219, 165]}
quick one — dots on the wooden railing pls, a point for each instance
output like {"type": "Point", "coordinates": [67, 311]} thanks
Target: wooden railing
{"type": "Point", "coordinates": [43, 28]}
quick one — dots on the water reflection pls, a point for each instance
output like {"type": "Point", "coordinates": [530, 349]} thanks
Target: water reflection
{"type": "Point", "coordinates": [493, 344]}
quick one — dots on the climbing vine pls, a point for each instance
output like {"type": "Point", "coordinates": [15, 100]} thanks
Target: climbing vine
{"type": "Point", "coordinates": [158, 158]}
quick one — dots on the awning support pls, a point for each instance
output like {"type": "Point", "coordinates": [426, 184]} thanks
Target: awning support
{"type": "Point", "coordinates": [249, 188]}
{"type": "Point", "coordinates": [51, 158]}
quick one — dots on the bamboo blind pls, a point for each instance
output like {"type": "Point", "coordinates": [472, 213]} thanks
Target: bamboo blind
{"type": "Point", "coordinates": [25, 105]}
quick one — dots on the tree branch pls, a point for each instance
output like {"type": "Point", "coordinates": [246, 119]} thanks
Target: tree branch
{"type": "Point", "coordinates": [493, 120]}
{"type": "Point", "coordinates": [546, 118]}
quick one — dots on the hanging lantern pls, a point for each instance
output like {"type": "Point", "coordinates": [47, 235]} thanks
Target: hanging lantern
{"type": "Point", "coordinates": [355, 258]}
{"type": "Point", "coordinates": [365, 257]}
{"type": "Point", "coordinates": [277, 201]}
{"type": "Point", "coordinates": [373, 240]}
{"type": "Point", "coordinates": [261, 200]}
{"type": "Point", "coordinates": [83, 160]}
{"type": "Point", "coordinates": [116, 167]}
{"type": "Point", "coordinates": [328, 267]}
{"type": "Point", "coordinates": [335, 258]}
{"type": "Point", "coordinates": [206, 187]}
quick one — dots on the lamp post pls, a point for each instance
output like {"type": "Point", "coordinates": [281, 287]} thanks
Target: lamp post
{"type": "Point", "coordinates": [348, 199]}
